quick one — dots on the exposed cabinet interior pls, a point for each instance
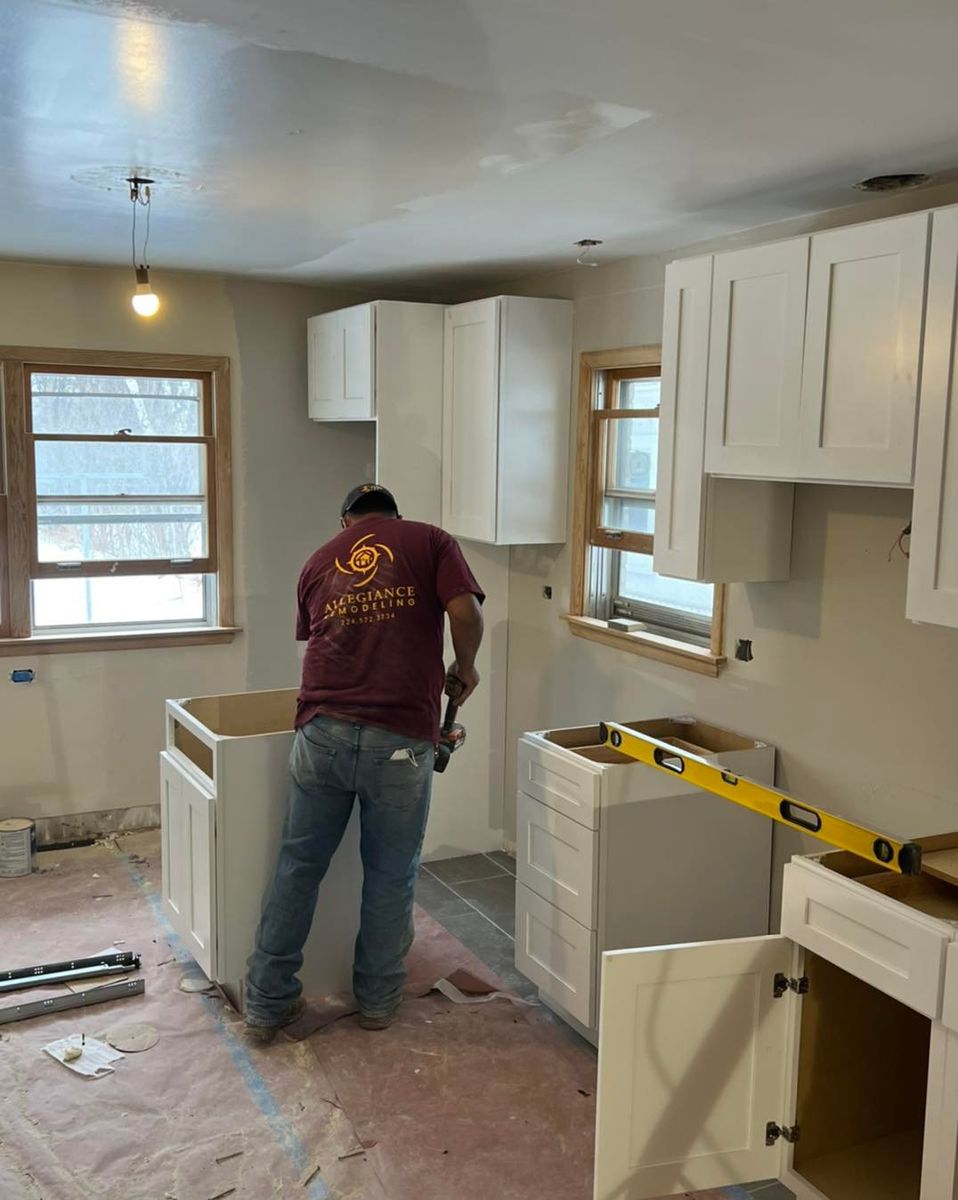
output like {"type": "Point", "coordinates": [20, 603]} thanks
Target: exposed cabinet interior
{"type": "Point", "coordinates": [927, 893]}
{"type": "Point", "coordinates": [862, 1081]}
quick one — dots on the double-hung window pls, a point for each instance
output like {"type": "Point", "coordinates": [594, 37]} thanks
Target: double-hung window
{"type": "Point", "coordinates": [615, 590]}
{"type": "Point", "coordinates": [115, 504]}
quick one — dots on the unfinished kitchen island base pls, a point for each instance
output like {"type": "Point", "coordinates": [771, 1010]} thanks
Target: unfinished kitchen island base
{"type": "Point", "coordinates": [224, 782]}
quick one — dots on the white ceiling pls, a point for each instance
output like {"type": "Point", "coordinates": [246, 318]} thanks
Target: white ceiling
{"type": "Point", "coordinates": [422, 140]}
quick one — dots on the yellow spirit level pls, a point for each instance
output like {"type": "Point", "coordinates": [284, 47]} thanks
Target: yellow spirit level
{"type": "Point", "coordinates": [902, 857]}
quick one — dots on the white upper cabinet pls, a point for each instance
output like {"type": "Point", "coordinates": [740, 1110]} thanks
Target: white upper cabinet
{"type": "Point", "coordinates": [342, 364]}
{"type": "Point", "coordinates": [706, 528]}
{"type": "Point", "coordinates": [506, 399]}
{"type": "Point", "coordinates": [815, 354]}
{"type": "Point", "coordinates": [383, 361]}
{"type": "Point", "coordinates": [933, 565]}
{"type": "Point", "coordinates": [755, 360]}
{"type": "Point", "coordinates": [866, 291]}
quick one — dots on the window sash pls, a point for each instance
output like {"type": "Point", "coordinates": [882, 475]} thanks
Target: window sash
{"type": "Point", "coordinates": [600, 534]}
{"type": "Point", "coordinates": [18, 500]}
{"type": "Point", "coordinates": [87, 569]}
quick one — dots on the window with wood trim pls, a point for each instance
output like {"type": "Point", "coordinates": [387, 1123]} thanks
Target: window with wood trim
{"type": "Point", "coordinates": [615, 588]}
{"type": "Point", "coordinates": [115, 499]}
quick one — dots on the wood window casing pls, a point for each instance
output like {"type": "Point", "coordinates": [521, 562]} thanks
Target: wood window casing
{"type": "Point", "coordinates": [610, 368]}
{"type": "Point", "coordinates": [19, 558]}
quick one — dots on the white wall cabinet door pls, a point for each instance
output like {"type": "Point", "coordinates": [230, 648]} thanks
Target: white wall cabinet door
{"type": "Point", "coordinates": [471, 420]}
{"type": "Point", "coordinates": [341, 354]}
{"type": "Point", "coordinates": [706, 528]}
{"type": "Point", "coordinates": [681, 484]}
{"type": "Point", "coordinates": [866, 291]}
{"type": "Point", "coordinates": [755, 360]}
{"type": "Point", "coordinates": [933, 565]}
{"type": "Point", "coordinates": [693, 1055]}
{"type": "Point", "coordinates": [188, 816]}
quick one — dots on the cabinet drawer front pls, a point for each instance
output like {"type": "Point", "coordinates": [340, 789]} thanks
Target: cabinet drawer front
{"type": "Point", "coordinates": [557, 859]}
{"type": "Point", "coordinates": [869, 935]}
{"type": "Point", "coordinates": [570, 786]}
{"type": "Point", "coordinates": [556, 953]}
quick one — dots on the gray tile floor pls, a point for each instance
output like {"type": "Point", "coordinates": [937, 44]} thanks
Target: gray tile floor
{"type": "Point", "coordinates": [474, 897]}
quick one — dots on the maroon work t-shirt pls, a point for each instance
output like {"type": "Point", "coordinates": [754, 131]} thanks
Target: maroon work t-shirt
{"type": "Point", "coordinates": [371, 605]}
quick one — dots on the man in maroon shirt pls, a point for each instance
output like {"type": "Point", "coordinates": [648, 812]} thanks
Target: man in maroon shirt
{"type": "Point", "coordinates": [372, 604]}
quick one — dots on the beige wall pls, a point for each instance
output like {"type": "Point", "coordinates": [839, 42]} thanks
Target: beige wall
{"type": "Point", "coordinates": [84, 736]}
{"type": "Point", "coordinates": [859, 702]}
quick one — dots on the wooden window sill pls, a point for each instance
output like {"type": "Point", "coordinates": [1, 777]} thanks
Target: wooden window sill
{"type": "Point", "coordinates": [74, 643]}
{"type": "Point", "coordinates": [650, 645]}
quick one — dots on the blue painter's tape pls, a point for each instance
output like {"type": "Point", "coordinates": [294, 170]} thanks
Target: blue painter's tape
{"type": "Point", "coordinates": [284, 1133]}
{"type": "Point", "coordinates": [736, 1193]}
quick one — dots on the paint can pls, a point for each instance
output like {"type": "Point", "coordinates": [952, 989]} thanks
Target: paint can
{"type": "Point", "coordinates": [18, 847]}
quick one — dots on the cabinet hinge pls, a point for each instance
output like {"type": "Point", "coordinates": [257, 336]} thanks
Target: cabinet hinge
{"type": "Point", "coordinates": [773, 1132]}
{"type": "Point", "coordinates": [784, 984]}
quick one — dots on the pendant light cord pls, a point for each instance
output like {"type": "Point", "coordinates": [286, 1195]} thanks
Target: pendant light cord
{"type": "Point", "coordinates": [137, 199]}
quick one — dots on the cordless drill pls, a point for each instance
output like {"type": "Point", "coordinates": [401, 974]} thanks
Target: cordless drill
{"type": "Point", "coordinates": [451, 734]}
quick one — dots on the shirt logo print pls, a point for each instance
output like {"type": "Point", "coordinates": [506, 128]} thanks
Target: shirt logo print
{"type": "Point", "coordinates": [365, 560]}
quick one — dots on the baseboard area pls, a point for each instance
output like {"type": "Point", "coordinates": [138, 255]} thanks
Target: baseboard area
{"type": "Point", "coordinates": [76, 826]}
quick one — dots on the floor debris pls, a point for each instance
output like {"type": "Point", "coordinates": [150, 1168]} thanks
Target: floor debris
{"type": "Point", "coordinates": [132, 1038]}
{"type": "Point", "coordinates": [94, 1060]}
{"type": "Point", "coordinates": [226, 1157]}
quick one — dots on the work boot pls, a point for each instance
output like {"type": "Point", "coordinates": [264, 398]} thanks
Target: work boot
{"type": "Point", "coordinates": [263, 1034]}
{"type": "Point", "coordinates": [377, 1021]}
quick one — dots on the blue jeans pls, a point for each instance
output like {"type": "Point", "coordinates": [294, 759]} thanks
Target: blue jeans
{"type": "Point", "coordinates": [331, 764]}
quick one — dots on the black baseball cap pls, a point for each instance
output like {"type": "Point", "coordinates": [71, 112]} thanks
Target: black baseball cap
{"type": "Point", "coordinates": [367, 489]}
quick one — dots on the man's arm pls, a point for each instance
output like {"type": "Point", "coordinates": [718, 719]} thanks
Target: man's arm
{"type": "Point", "coordinates": [465, 625]}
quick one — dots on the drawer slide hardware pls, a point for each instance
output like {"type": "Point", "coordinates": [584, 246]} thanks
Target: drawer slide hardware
{"type": "Point", "coordinates": [96, 995]}
{"type": "Point", "coordinates": [73, 970]}
{"type": "Point", "coordinates": [784, 984]}
{"type": "Point", "coordinates": [774, 1131]}
{"type": "Point", "coordinates": [901, 857]}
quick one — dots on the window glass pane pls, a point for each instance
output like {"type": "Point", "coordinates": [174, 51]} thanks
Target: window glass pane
{"type": "Point", "coordinates": [117, 532]}
{"type": "Point", "coordinates": [633, 444]}
{"type": "Point", "coordinates": [639, 393]}
{"type": "Point", "coordinates": [637, 516]}
{"type": "Point", "coordinates": [143, 405]}
{"type": "Point", "coordinates": [637, 581]}
{"type": "Point", "coordinates": [118, 469]}
{"type": "Point", "coordinates": [118, 600]}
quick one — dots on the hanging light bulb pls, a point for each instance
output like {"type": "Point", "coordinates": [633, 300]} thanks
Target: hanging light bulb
{"type": "Point", "coordinates": [146, 303]}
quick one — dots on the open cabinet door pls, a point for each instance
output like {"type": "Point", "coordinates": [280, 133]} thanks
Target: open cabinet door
{"type": "Point", "coordinates": [692, 1059]}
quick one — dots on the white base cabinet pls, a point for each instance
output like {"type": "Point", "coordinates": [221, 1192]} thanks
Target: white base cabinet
{"type": "Point", "coordinates": [826, 1057]}
{"type": "Point", "coordinates": [224, 783]}
{"type": "Point", "coordinates": [606, 848]}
